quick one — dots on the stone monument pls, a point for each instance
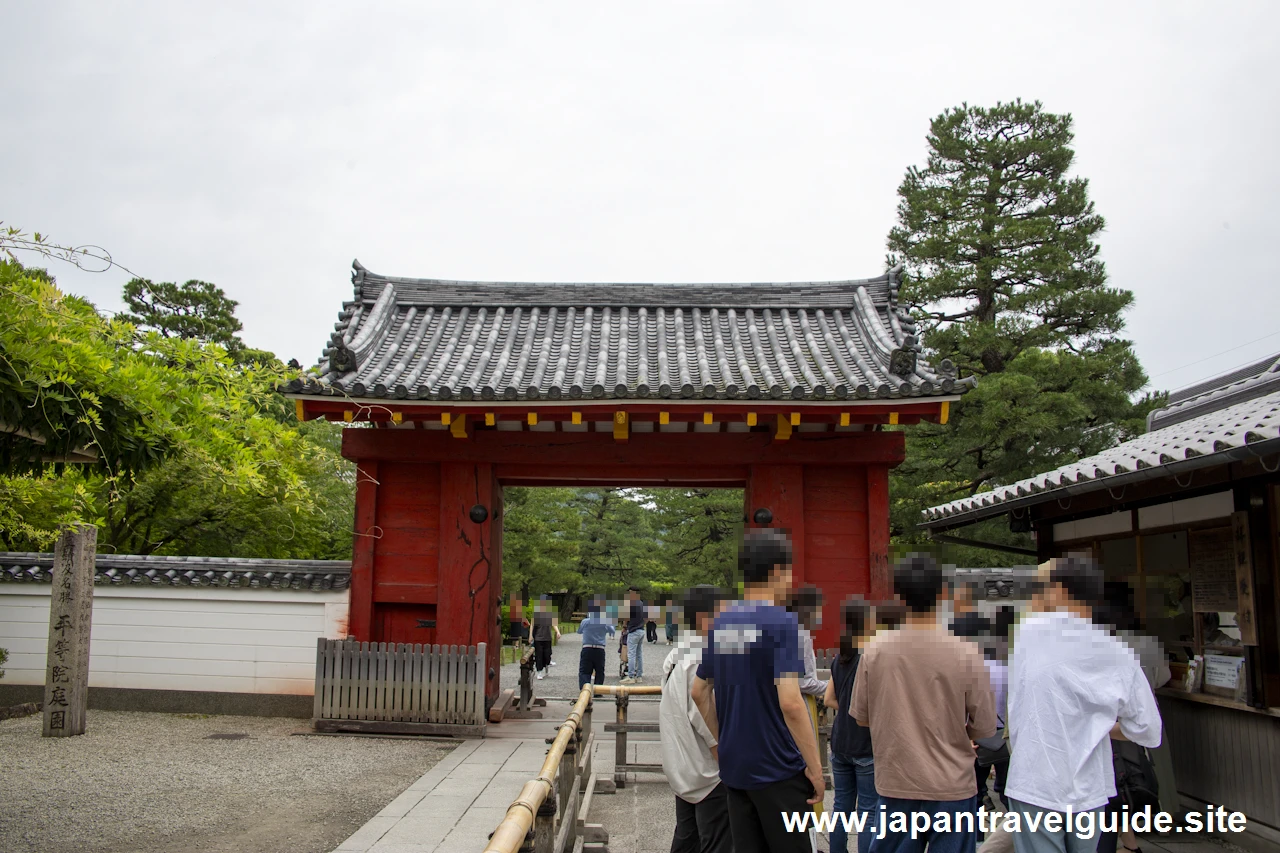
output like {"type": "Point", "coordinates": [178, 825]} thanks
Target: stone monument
{"type": "Point", "coordinates": [66, 682]}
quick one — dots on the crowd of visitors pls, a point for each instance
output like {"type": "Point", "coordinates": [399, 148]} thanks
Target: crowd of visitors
{"type": "Point", "coordinates": [932, 732]}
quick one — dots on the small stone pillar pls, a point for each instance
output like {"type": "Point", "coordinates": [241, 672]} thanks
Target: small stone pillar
{"type": "Point", "coordinates": [66, 682]}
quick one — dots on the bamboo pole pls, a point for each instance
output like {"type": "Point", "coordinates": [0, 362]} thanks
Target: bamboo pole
{"type": "Point", "coordinates": [628, 690]}
{"type": "Point", "coordinates": [510, 834]}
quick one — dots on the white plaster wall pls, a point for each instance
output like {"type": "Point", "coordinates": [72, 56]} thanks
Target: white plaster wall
{"type": "Point", "coordinates": [178, 638]}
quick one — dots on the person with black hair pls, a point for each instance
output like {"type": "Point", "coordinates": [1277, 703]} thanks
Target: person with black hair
{"type": "Point", "coordinates": [967, 621]}
{"type": "Point", "coordinates": [1072, 688]}
{"type": "Point", "coordinates": [637, 615]}
{"type": "Point", "coordinates": [852, 764]}
{"type": "Point", "coordinates": [1154, 765]}
{"type": "Point", "coordinates": [806, 604]}
{"type": "Point", "coordinates": [748, 691]}
{"type": "Point", "coordinates": [595, 631]}
{"type": "Point", "coordinates": [925, 696]}
{"type": "Point", "coordinates": [546, 630]}
{"type": "Point", "coordinates": [688, 746]}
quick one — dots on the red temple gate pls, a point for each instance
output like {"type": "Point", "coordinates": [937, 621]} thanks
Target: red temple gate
{"type": "Point", "coordinates": [464, 387]}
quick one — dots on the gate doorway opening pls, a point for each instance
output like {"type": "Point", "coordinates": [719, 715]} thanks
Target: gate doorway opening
{"type": "Point", "coordinates": [791, 392]}
{"type": "Point", "coordinates": [575, 544]}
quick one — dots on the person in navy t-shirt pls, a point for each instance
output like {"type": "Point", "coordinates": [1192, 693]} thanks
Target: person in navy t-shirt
{"type": "Point", "coordinates": [748, 691]}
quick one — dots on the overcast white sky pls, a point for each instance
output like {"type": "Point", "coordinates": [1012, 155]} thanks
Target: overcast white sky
{"type": "Point", "coordinates": [263, 146]}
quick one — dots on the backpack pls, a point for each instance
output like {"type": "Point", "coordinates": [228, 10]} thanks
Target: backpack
{"type": "Point", "coordinates": [1136, 784]}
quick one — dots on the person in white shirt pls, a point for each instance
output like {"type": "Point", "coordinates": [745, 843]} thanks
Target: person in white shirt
{"type": "Point", "coordinates": [689, 754]}
{"type": "Point", "coordinates": [1072, 687]}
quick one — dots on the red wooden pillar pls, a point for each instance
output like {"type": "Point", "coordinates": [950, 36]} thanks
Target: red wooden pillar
{"type": "Point", "coordinates": [878, 532]}
{"type": "Point", "coordinates": [780, 489]}
{"type": "Point", "coordinates": [494, 589]}
{"type": "Point", "coordinates": [467, 591]}
{"type": "Point", "coordinates": [836, 542]}
{"type": "Point", "coordinates": [360, 596]}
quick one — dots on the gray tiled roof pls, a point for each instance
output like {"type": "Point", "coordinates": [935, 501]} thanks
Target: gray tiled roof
{"type": "Point", "coordinates": [21, 566]}
{"type": "Point", "coordinates": [1246, 383]}
{"type": "Point", "coordinates": [428, 339]}
{"type": "Point", "coordinates": [1247, 429]}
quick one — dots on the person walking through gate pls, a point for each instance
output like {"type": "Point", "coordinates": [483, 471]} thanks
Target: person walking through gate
{"type": "Point", "coordinates": [748, 691]}
{"type": "Point", "coordinates": [688, 747]}
{"type": "Point", "coordinates": [595, 630]}
{"type": "Point", "coordinates": [544, 630]}
{"type": "Point", "coordinates": [1072, 688]}
{"type": "Point", "coordinates": [926, 697]}
{"type": "Point", "coordinates": [636, 619]}
{"type": "Point", "coordinates": [852, 766]}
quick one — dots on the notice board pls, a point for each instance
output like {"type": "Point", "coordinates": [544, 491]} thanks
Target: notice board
{"type": "Point", "coordinates": [1213, 570]}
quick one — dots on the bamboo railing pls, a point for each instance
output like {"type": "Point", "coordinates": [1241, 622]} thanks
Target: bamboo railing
{"type": "Point", "coordinates": [547, 807]}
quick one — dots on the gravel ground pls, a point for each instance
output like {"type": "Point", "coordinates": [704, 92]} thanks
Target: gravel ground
{"type": "Point", "coordinates": [156, 783]}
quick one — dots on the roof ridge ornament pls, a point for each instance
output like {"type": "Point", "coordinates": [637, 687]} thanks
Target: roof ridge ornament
{"type": "Point", "coordinates": [903, 359]}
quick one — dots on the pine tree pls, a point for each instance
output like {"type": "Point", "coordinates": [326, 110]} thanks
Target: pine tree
{"type": "Point", "coordinates": [999, 244]}
{"type": "Point", "coordinates": [196, 310]}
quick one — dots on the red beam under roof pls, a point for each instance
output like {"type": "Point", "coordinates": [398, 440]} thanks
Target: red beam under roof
{"type": "Point", "coordinates": [858, 412]}
{"type": "Point", "coordinates": [583, 450]}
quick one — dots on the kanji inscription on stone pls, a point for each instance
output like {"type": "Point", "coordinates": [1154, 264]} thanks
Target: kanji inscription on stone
{"type": "Point", "coordinates": [66, 683]}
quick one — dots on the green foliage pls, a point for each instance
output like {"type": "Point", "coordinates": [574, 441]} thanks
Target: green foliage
{"type": "Point", "coordinates": [701, 530]}
{"type": "Point", "coordinates": [999, 245]}
{"type": "Point", "coordinates": [188, 449]}
{"type": "Point", "coordinates": [618, 539]}
{"type": "Point", "coordinates": [594, 540]}
{"type": "Point", "coordinates": [4, 658]}
{"type": "Point", "coordinates": [71, 383]}
{"type": "Point", "coordinates": [539, 541]}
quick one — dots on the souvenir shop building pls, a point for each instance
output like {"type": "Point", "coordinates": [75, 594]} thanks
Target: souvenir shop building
{"type": "Point", "coordinates": [1188, 515]}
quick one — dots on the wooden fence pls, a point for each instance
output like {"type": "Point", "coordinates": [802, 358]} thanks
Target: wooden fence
{"type": "Point", "coordinates": [399, 688]}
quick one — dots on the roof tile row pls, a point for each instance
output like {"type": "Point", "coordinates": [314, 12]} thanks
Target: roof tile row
{"type": "Point", "coordinates": [1244, 425]}
{"type": "Point", "coordinates": [430, 339]}
{"type": "Point", "coordinates": [20, 567]}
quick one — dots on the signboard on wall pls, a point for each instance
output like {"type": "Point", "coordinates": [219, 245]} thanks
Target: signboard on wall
{"type": "Point", "coordinates": [1243, 553]}
{"type": "Point", "coordinates": [1213, 570]}
{"type": "Point", "coordinates": [1224, 675]}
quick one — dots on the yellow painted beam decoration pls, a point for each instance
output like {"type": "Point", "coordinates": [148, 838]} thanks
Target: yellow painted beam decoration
{"type": "Point", "coordinates": [945, 413]}
{"type": "Point", "coordinates": [298, 409]}
{"type": "Point", "coordinates": [620, 425]}
{"type": "Point", "coordinates": [784, 428]}
{"type": "Point", "coordinates": [446, 418]}
{"type": "Point", "coordinates": [844, 419]}
{"type": "Point", "coordinates": [459, 427]}
{"type": "Point", "coordinates": [348, 416]}
{"type": "Point", "coordinates": [489, 419]}
{"type": "Point", "coordinates": [397, 417]}
{"type": "Point", "coordinates": [577, 418]}
{"type": "Point", "coordinates": [893, 417]}
{"type": "Point", "coordinates": [532, 419]}
{"type": "Point", "coordinates": [795, 419]}
{"type": "Point", "coordinates": [707, 419]}
{"type": "Point", "coordinates": [664, 417]}
{"type": "Point", "coordinates": [751, 419]}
